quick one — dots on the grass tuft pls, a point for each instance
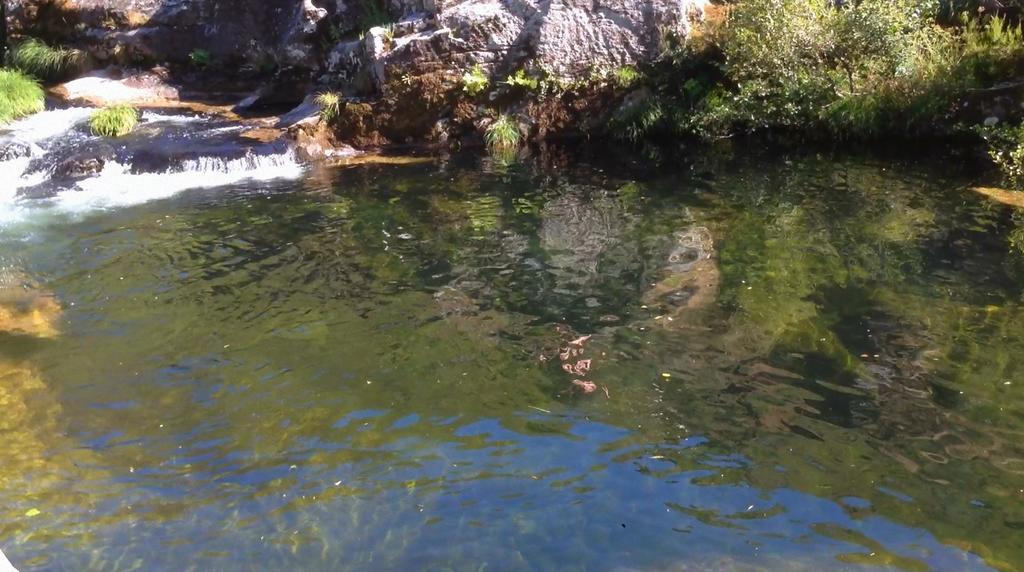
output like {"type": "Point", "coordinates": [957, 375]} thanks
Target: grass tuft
{"type": "Point", "coordinates": [20, 95]}
{"type": "Point", "coordinates": [330, 105]}
{"type": "Point", "coordinates": [115, 121]}
{"type": "Point", "coordinates": [503, 134]}
{"type": "Point", "coordinates": [45, 62]}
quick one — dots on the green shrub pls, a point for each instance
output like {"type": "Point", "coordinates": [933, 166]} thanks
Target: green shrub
{"type": "Point", "coordinates": [503, 134]}
{"type": "Point", "coordinates": [474, 81]}
{"type": "Point", "coordinates": [994, 48]}
{"type": "Point", "coordinates": [807, 64]}
{"type": "Point", "coordinates": [115, 121]}
{"type": "Point", "coordinates": [330, 105]}
{"type": "Point", "coordinates": [20, 95]}
{"type": "Point", "coordinates": [1006, 148]}
{"type": "Point", "coordinates": [860, 70]}
{"type": "Point", "coordinates": [44, 62]}
{"type": "Point", "coordinates": [200, 58]}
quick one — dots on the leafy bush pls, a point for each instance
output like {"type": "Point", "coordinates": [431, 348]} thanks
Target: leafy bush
{"type": "Point", "coordinates": [807, 63]}
{"type": "Point", "coordinates": [818, 68]}
{"type": "Point", "coordinates": [993, 48]}
{"type": "Point", "coordinates": [503, 134]}
{"type": "Point", "coordinates": [114, 121]}
{"type": "Point", "coordinates": [474, 81]}
{"type": "Point", "coordinates": [330, 105]}
{"type": "Point", "coordinates": [44, 62]}
{"type": "Point", "coordinates": [1006, 147]}
{"type": "Point", "coordinates": [20, 95]}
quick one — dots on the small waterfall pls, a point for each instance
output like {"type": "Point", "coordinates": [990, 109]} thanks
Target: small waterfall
{"type": "Point", "coordinates": [117, 186]}
{"type": "Point", "coordinates": [166, 155]}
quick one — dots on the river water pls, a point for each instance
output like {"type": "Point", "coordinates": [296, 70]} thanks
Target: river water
{"type": "Point", "coordinates": [727, 361]}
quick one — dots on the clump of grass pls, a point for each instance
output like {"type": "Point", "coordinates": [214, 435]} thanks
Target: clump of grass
{"type": "Point", "coordinates": [45, 62]}
{"type": "Point", "coordinates": [20, 95]}
{"type": "Point", "coordinates": [114, 121]}
{"type": "Point", "coordinates": [330, 105]}
{"type": "Point", "coordinates": [626, 76]}
{"type": "Point", "coordinates": [503, 134]}
{"type": "Point", "coordinates": [474, 81]}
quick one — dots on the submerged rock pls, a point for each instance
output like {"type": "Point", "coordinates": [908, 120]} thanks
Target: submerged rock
{"type": "Point", "coordinates": [691, 279]}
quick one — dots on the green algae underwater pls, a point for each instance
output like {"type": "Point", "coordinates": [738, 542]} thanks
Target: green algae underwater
{"type": "Point", "coordinates": [798, 362]}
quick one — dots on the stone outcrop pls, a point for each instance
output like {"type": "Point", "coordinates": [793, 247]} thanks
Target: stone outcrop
{"type": "Point", "coordinates": [402, 81]}
{"type": "Point", "coordinates": [236, 33]}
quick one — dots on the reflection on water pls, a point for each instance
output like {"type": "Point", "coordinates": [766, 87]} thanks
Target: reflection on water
{"type": "Point", "coordinates": [810, 363]}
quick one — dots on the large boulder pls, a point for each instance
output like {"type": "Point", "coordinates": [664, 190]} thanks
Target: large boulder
{"type": "Point", "coordinates": [567, 37]}
{"type": "Point", "coordinates": [227, 33]}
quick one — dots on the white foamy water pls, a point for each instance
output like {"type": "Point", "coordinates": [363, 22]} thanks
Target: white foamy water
{"type": "Point", "coordinates": [46, 125]}
{"type": "Point", "coordinates": [115, 185]}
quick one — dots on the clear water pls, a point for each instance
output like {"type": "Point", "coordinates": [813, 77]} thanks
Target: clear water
{"type": "Point", "coordinates": [798, 362]}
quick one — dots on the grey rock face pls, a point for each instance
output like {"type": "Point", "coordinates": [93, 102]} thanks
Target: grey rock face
{"type": "Point", "coordinates": [230, 31]}
{"type": "Point", "coordinates": [565, 37]}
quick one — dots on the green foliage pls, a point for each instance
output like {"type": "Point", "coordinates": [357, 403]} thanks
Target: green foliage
{"type": "Point", "coordinates": [626, 77]}
{"type": "Point", "coordinates": [200, 58]}
{"type": "Point", "coordinates": [503, 134]}
{"type": "Point", "coordinates": [35, 58]}
{"type": "Point", "coordinates": [994, 48]}
{"type": "Point", "coordinates": [862, 70]}
{"type": "Point", "coordinates": [20, 95]}
{"type": "Point", "coordinates": [475, 81]}
{"type": "Point", "coordinates": [114, 121]}
{"type": "Point", "coordinates": [330, 105]}
{"type": "Point", "coordinates": [805, 63]}
{"type": "Point", "coordinates": [1006, 148]}
{"type": "Point", "coordinates": [521, 80]}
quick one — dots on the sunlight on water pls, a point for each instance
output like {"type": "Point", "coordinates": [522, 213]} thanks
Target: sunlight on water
{"type": "Point", "coordinates": [798, 363]}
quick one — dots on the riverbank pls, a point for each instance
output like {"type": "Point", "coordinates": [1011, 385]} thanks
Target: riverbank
{"type": "Point", "coordinates": [483, 73]}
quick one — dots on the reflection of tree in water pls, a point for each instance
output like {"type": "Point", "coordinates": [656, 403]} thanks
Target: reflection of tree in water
{"type": "Point", "coordinates": [848, 334]}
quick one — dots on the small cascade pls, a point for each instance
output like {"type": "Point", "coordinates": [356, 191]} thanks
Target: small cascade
{"type": "Point", "coordinates": [51, 164]}
{"type": "Point", "coordinates": [117, 185]}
